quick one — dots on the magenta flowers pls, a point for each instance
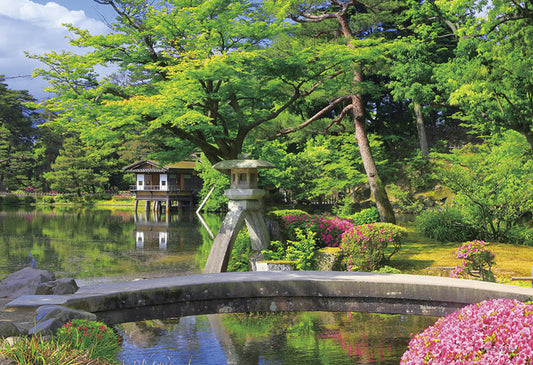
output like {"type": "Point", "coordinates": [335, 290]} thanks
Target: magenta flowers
{"type": "Point", "coordinates": [477, 261]}
{"type": "Point", "coordinates": [497, 331]}
{"type": "Point", "coordinates": [369, 247]}
{"type": "Point", "coordinates": [329, 229]}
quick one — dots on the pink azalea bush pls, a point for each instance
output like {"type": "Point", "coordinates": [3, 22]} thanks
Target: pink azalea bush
{"type": "Point", "coordinates": [329, 229]}
{"type": "Point", "coordinates": [368, 247]}
{"type": "Point", "coordinates": [477, 261]}
{"type": "Point", "coordinates": [497, 331]}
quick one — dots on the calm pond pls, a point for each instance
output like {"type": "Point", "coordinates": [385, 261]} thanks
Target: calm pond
{"type": "Point", "coordinates": [95, 245]}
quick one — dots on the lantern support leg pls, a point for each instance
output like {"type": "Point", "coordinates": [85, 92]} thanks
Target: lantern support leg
{"type": "Point", "coordinates": [257, 229]}
{"type": "Point", "coordinates": [221, 250]}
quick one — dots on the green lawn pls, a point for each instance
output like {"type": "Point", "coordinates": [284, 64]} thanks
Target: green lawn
{"type": "Point", "coordinates": [419, 254]}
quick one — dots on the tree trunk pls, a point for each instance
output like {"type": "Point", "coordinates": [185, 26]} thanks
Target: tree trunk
{"type": "Point", "coordinates": [383, 204]}
{"type": "Point", "coordinates": [529, 138]}
{"type": "Point", "coordinates": [422, 137]}
{"type": "Point", "coordinates": [376, 185]}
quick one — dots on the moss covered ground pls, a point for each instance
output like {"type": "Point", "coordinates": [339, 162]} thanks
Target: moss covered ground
{"type": "Point", "coordinates": [422, 256]}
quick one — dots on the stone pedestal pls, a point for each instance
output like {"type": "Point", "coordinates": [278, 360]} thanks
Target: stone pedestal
{"type": "Point", "coordinates": [244, 207]}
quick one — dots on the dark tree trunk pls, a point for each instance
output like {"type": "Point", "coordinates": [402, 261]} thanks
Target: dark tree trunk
{"type": "Point", "coordinates": [383, 204]}
{"type": "Point", "coordinates": [422, 137]}
{"type": "Point", "coordinates": [376, 185]}
{"type": "Point", "coordinates": [529, 138]}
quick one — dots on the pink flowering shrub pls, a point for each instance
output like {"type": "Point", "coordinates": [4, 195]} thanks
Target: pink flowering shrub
{"type": "Point", "coordinates": [369, 247]}
{"type": "Point", "coordinates": [329, 229]}
{"type": "Point", "coordinates": [497, 331]}
{"type": "Point", "coordinates": [477, 261]}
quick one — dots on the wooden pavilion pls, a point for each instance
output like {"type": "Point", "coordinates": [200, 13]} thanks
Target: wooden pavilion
{"type": "Point", "coordinates": [174, 183]}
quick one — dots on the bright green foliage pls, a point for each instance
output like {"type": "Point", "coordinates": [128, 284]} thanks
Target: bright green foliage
{"type": "Point", "coordinates": [301, 252]}
{"type": "Point", "coordinates": [365, 30]}
{"type": "Point", "coordinates": [323, 167]}
{"type": "Point", "coordinates": [275, 252]}
{"type": "Point", "coordinates": [191, 74]}
{"type": "Point", "coordinates": [39, 350]}
{"type": "Point", "coordinates": [330, 164]}
{"type": "Point", "coordinates": [494, 184]}
{"type": "Point", "coordinates": [286, 175]}
{"type": "Point", "coordinates": [369, 247]}
{"type": "Point", "coordinates": [490, 78]}
{"type": "Point", "coordinates": [286, 212]}
{"type": "Point", "coordinates": [98, 339]}
{"type": "Point", "coordinates": [365, 216]}
{"type": "Point", "coordinates": [413, 62]}
{"type": "Point", "coordinates": [241, 252]}
{"type": "Point", "coordinates": [73, 170]}
{"type": "Point", "coordinates": [212, 178]}
{"type": "Point", "coordinates": [388, 270]}
{"type": "Point", "coordinates": [445, 224]}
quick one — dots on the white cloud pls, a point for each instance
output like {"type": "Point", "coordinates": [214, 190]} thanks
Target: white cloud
{"type": "Point", "coordinates": [49, 16]}
{"type": "Point", "coordinates": [35, 28]}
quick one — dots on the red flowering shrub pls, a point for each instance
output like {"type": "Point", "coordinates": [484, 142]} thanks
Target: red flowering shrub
{"type": "Point", "coordinates": [329, 229]}
{"type": "Point", "coordinates": [95, 337]}
{"type": "Point", "coordinates": [497, 331]}
{"type": "Point", "coordinates": [368, 247]}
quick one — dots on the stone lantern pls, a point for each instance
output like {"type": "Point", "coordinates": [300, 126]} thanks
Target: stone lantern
{"type": "Point", "coordinates": [244, 206]}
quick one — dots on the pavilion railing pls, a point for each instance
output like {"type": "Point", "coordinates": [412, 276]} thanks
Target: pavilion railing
{"type": "Point", "coordinates": [157, 188]}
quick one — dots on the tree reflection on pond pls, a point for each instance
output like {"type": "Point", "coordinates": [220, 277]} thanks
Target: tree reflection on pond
{"type": "Point", "coordinates": [97, 243]}
{"type": "Point", "coordinates": [272, 338]}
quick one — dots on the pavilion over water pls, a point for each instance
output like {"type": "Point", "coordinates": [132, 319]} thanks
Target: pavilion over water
{"type": "Point", "coordinates": [170, 184]}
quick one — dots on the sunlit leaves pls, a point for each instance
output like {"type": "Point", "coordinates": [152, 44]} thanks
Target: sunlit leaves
{"type": "Point", "coordinates": [491, 75]}
{"type": "Point", "coordinates": [207, 72]}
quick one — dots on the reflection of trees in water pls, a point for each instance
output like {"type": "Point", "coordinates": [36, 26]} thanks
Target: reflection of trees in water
{"type": "Point", "coordinates": [322, 337]}
{"type": "Point", "coordinates": [88, 243]}
{"type": "Point", "coordinates": [144, 334]}
{"type": "Point", "coordinates": [285, 338]}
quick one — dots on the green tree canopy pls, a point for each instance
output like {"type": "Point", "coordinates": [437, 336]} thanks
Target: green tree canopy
{"type": "Point", "coordinates": [73, 170]}
{"type": "Point", "coordinates": [201, 73]}
{"type": "Point", "coordinates": [17, 134]}
{"type": "Point", "coordinates": [493, 182]}
{"type": "Point", "coordinates": [365, 29]}
{"type": "Point", "coordinates": [491, 76]}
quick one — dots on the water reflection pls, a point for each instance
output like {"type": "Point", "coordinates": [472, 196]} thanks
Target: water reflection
{"type": "Point", "coordinates": [282, 338]}
{"type": "Point", "coordinates": [157, 231]}
{"type": "Point", "coordinates": [97, 243]}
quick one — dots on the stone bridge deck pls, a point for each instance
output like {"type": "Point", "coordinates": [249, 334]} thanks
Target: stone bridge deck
{"type": "Point", "coordinates": [277, 291]}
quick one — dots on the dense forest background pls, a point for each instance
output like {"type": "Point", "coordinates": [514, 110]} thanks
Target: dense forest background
{"type": "Point", "coordinates": [408, 102]}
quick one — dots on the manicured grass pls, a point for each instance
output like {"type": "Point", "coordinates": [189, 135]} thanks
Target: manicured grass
{"type": "Point", "coordinates": [419, 254]}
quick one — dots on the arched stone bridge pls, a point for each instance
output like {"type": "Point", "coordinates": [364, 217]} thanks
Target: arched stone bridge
{"type": "Point", "coordinates": [277, 291]}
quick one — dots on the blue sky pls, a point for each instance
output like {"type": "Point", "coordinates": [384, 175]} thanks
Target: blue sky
{"type": "Point", "coordinates": [35, 26]}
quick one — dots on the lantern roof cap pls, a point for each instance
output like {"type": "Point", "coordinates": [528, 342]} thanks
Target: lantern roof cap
{"type": "Point", "coordinates": [244, 162]}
